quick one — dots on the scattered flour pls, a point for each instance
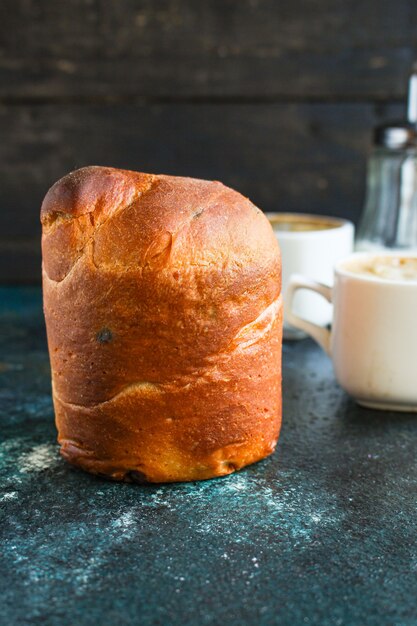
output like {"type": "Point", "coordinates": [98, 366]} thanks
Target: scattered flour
{"type": "Point", "coordinates": [126, 526]}
{"type": "Point", "coordinates": [237, 483]}
{"type": "Point", "coordinates": [125, 521]}
{"type": "Point", "coordinates": [41, 457]}
{"type": "Point", "coordinates": [8, 447]}
{"type": "Point", "coordinates": [10, 495]}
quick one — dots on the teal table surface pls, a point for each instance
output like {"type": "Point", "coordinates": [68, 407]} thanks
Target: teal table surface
{"type": "Point", "coordinates": [323, 532]}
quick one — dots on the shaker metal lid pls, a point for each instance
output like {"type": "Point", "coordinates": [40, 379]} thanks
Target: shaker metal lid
{"type": "Point", "coordinates": [401, 134]}
{"type": "Point", "coordinates": [396, 135]}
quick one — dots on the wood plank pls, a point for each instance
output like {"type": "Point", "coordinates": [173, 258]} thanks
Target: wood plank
{"type": "Point", "coordinates": [215, 48]}
{"type": "Point", "coordinates": [283, 156]}
{"type": "Point", "coordinates": [307, 157]}
{"type": "Point", "coordinates": [20, 262]}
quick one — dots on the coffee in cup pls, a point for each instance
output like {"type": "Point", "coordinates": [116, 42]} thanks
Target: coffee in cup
{"type": "Point", "coordinates": [393, 267]}
{"type": "Point", "coordinates": [373, 338]}
{"type": "Point", "coordinates": [310, 245]}
{"type": "Point", "coordinates": [293, 222]}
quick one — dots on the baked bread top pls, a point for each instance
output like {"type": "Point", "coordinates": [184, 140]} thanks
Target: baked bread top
{"type": "Point", "coordinates": [153, 274]}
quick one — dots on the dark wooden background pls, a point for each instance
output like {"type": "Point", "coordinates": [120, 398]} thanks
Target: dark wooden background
{"type": "Point", "coordinates": [276, 98]}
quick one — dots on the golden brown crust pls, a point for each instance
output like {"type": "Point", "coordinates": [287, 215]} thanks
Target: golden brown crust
{"type": "Point", "coordinates": [164, 317]}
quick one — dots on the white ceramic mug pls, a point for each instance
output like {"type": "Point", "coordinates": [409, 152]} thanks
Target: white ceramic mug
{"type": "Point", "coordinates": [311, 252]}
{"type": "Point", "coordinates": [373, 338]}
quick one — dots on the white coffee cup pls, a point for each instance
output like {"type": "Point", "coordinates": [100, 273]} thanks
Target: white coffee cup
{"type": "Point", "coordinates": [310, 246]}
{"type": "Point", "coordinates": [373, 338]}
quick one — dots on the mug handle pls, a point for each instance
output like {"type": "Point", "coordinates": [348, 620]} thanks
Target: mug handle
{"type": "Point", "coordinates": [319, 333]}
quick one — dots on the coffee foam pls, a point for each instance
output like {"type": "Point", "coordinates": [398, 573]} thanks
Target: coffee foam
{"type": "Point", "coordinates": [393, 268]}
{"type": "Point", "coordinates": [290, 222]}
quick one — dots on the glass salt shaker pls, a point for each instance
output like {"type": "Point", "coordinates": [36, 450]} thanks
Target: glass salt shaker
{"type": "Point", "coordinates": [389, 219]}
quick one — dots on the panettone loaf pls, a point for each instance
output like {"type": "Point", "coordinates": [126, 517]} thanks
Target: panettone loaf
{"type": "Point", "coordinates": [164, 318]}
